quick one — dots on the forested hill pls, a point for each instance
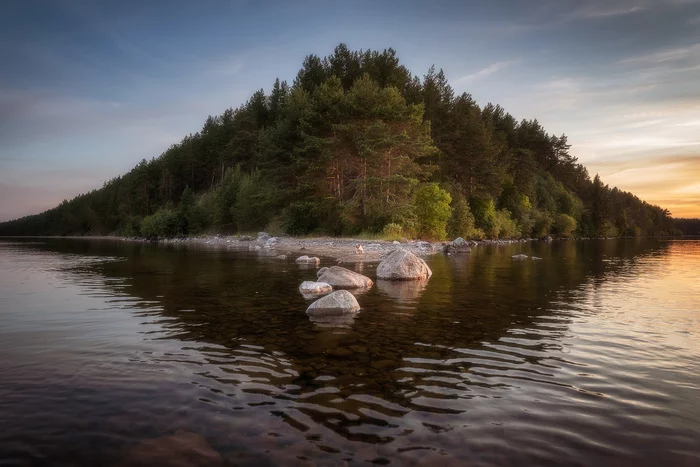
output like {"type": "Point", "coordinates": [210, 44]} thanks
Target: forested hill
{"type": "Point", "coordinates": [358, 144]}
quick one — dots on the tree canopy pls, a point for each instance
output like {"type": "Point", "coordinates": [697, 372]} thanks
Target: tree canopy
{"type": "Point", "coordinates": [358, 144]}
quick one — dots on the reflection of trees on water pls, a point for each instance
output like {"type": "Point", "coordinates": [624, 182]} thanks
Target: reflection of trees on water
{"type": "Point", "coordinates": [481, 322]}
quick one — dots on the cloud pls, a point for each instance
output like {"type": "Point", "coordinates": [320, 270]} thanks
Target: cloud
{"type": "Point", "coordinates": [677, 54]}
{"type": "Point", "coordinates": [670, 181]}
{"type": "Point", "coordinates": [592, 10]}
{"type": "Point", "coordinates": [483, 73]}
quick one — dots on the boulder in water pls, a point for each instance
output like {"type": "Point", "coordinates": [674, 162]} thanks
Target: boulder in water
{"type": "Point", "coordinates": [315, 288]}
{"type": "Point", "coordinates": [339, 302]}
{"type": "Point", "coordinates": [520, 256]}
{"type": "Point", "coordinates": [402, 265]}
{"type": "Point", "coordinates": [459, 245]}
{"type": "Point", "coordinates": [321, 272]}
{"type": "Point", "coordinates": [308, 260]}
{"type": "Point", "coordinates": [341, 278]}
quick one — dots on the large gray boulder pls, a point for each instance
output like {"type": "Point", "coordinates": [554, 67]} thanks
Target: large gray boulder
{"type": "Point", "coordinates": [315, 288]}
{"type": "Point", "coordinates": [402, 265]}
{"type": "Point", "coordinates": [339, 302]}
{"type": "Point", "coordinates": [341, 278]}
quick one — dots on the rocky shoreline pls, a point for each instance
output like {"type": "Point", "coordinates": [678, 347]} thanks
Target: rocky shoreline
{"type": "Point", "coordinates": [343, 250]}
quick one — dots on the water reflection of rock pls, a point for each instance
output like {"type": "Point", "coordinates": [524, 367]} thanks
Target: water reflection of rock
{"type": "Point", "coordinates": [404, 292]}
{"type": "Point", "coordinates": [341, 321]}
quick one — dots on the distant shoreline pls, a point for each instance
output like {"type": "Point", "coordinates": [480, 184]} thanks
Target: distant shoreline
{"type": "Point", "coordinates": [343, 250]}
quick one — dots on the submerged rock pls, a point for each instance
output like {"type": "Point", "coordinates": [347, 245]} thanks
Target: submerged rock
{"type": "Point", "coordinates": [402, 265]}
{"type": "Point", "coordinates": [459, 245]}
{"type": "Point", "coordinates": [182, 449]}
{"type": "Point", "coordinates": [342, 278]}
{"type": "Point", "coordinates": [520, 256]}
{"type": "Point", "coordinates": [315, 288]}
{"type": "Point", "coordinates": [339, 302]}
{"type": "Point", "coordinates": [534, 258]}
{"type": "Point", "coordinates": [308, 260]}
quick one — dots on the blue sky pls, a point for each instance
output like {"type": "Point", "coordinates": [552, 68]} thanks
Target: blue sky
{"type": "Point", "coordinates": [89, 88]}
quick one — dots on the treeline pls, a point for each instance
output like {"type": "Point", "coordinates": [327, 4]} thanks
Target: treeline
{"type": "Point", "coordinates": [358, 144]}
{"type": "Point", "coordinates": [688, 226]}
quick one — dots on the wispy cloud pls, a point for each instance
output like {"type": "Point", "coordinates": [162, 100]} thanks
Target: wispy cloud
{"type": "Point", "coordinates": [484, 72]}
{"type": "Point", "coordinates": [664, 56]}
{"type": "Point", "coordinates": [650, 179]}
{"type": "Point", "coordinates": [594, 11]}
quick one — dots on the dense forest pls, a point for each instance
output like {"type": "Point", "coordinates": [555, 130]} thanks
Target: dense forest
{"type": "Point", "coordinates": [359, 145]}
{"type": "Point", "coordinates": [688, 226]}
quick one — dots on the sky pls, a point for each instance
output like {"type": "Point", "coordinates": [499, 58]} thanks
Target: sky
{"type": "Point", "coordinates": [88, 88]}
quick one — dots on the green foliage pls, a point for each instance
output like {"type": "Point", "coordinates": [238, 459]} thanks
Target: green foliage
{"type": "Point", "coordinates": [461, 222]}
{"type": "Point", "coordinates": [393, 231]}
{"type": "Point", "coordinates": [564, 225]}
{"type": "Point", "coordinates": [255, 202]}
{"type": "Point", "coordinates": [542, 225]}
{"type": "Point", "coordinates": [344, 150]}
{"type": "Point", "coordinates": [192, 214]}
{"type": "Point", "coordinates": [484, 211]}
{"type": "Point", "coordinates": [299, 218]}
{"type": "Point", "coordinates": [504, 226]}
{"type": "Point", "coordinates": [163, 223]}
{"type": "Point", "coordinates": [225, 196]}
{"type": "Point", "coordinates": [433, 210]}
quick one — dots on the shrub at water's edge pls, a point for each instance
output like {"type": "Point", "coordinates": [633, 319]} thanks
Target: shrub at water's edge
{"type": "Point", "coordinates": [358, 145]}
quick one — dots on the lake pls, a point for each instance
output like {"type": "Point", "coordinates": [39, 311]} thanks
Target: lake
{"type": "Point", "coordinates": [590, 356]}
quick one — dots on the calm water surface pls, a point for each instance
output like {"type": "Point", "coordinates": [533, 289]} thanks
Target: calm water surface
{"type": "Point", "coordinates": [590, 356]}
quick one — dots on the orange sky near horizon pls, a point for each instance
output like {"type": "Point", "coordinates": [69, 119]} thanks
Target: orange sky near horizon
{"type": "Point", "coordinates": [672, 182]}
